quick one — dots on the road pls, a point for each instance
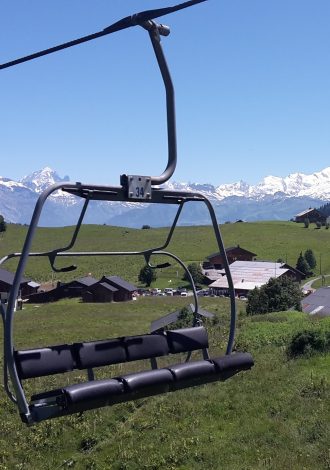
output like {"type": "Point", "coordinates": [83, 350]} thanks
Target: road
{"type": "Point", "coordinates": [308, 285]}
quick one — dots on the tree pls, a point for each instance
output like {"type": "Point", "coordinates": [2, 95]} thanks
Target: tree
{"type": "Point", "coordinates": [306, 222]}
{"type": "Point", "coordinates": [3, 225]}
{"type": "Point", "coordinates": [318, 224]}
{"type": "Point", "coordinates": [147, 275]}
{"type": "Point", "coordinates": [302, 264]}
{"type": "Point", "coordinates": [257, 302]}
{"type": "Point", "coordinates": [196, 273]}
{"type": "Point", "coordinates": [185, 319]}
{"type": "Point", "coordinates": [146, 227]}
{"type": "Point", "coordinates": [278, 294]}
{"type": "Point", "coordinates": [310, 258]}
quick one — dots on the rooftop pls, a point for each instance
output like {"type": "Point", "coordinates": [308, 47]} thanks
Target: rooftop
{"type": "Point", "coordinates": [250, 274]}
{"type": "Point", "coordinates": [119, 282]}
{"type": "Point", "coordinates": [8, 278]}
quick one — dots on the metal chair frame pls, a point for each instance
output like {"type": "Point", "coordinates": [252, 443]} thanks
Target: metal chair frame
{"type": "Point", "coordinates": [133, 188]}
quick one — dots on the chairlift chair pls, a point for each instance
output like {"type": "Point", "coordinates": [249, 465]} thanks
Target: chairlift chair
{"type": "Point", "coordinates": [20, 365]}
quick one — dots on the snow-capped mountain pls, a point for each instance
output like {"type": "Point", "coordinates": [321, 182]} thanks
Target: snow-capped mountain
{"type": "Point", "coordinates": [42, 179]}
{"type": "Point", "coordinates": [273, 198]}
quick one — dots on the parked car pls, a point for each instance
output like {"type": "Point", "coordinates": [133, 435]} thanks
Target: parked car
{"type": "Point", "coordinates": [156, 291]}
{"type": "Point", "coordinates": [168, 291]}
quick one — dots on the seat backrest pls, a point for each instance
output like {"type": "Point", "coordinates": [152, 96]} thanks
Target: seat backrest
{"type": "Point", "coordinates": [187, 339]}
{"type": "Point", "coordinates": [44, 361]}
{"type": "Point", "coordinates": [87, 355]}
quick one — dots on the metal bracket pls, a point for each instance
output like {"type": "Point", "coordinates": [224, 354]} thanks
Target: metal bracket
{"type": "Point", "coordinates": [139, 187]}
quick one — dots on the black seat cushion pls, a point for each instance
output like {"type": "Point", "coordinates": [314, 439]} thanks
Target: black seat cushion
{"type": "Point", "coordinates": [232, 363]}
{"type": "Point", "coordinates": [192, 370]}
{"type": "Point", "coordinates": [44, 361]}
{"type": "Point", "coordinates": [100, 353]}
{"type": "Point", "coordinates": [146, 346]}
{"type": "Point", "coordinates": [187, 339]}
{"type": "Point", "coordinates": [96, 392]}
{"type": "Point", "coordinates": [147, 379]}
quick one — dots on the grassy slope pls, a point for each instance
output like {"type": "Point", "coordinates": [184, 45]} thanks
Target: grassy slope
{"type": "Point", "coordinates": [269, 240]}
{"type": "Point", "coordinates": [275, 416]}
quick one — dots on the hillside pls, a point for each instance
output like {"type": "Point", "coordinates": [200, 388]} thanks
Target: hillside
{"type": "Point", "coordinates": [275, 416]}
{"type": "Point", "coordinates": [270, 240]}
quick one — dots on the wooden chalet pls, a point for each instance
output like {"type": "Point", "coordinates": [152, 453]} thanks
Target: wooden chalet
{"type": "Point", "coordinates": [99, 292]}
{"type": "Point", "coordinates": [124, 291]}
{"type": "Point", "coordinates": [313, 215]}
{"type": "Point", "coordinates": [234, 253]}
{"type": "Point", "coordinates": [78, 286]}
{"type": "Point", "coordinates": [63, 290]}
{"type": "Point", "coordinates": [27, 286]}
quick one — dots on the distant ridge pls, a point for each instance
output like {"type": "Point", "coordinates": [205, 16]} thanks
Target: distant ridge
{"type": "Point", "coordinates": [274, 198]}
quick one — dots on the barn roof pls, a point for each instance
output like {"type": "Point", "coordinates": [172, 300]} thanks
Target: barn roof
{"type": "Point", "coordinates": [8, 278]}
{"type": "Point", "coordinates": [247, 275]}
{"type": "Point", "coordinates": [119, 282]}
{"type": "Point", "coordinates": [87, 280]}
{"type": "Point", "coordinates": [308, 211]}
{"type": "Point", "coordinates": [108, 286]}
{"type": "Point", "coordinates": [232, 248]}
{"type": "Point", "coordinates": [317, 302]}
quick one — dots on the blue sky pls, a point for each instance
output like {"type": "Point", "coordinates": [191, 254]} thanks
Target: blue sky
{"type": "Point", "coordinates": [251, 80]}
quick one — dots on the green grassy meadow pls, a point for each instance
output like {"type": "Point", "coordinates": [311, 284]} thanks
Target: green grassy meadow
{"type": "Point", "coordinates": [269, 240]}
{"type": "Point", "coordinates": [276, 416]}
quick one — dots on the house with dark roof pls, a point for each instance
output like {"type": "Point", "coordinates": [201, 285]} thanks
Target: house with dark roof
{"type": "Point", "coordinates": [234, 253]}
{"type": "Point", "coordinates": [313, 215]}
{"type": "Point", "coordinates": [63, 290]}
{"type": "Point", "coordinates": [27, 286]}
{"type": "Point", "coordinates": [107, 289]}
{"type": "Point", "coordinates": [99, 292]}
{"type": "Point", "coordinates": [125, 290]}
{"type": "Point", "coordinates": [77, 287]}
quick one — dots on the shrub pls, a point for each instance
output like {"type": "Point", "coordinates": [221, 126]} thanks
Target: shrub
{"type": "Point", "coordinates": [279, 294]}
{"type": "Point", "coordinates": [307, 342]}
{"type": "Point", "coordinates": [196, 274]}
{"type": "Point", "coordinates": [185, 319]}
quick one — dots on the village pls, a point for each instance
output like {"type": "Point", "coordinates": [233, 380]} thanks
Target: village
{"type": "Point", "coordinates": [247, 271]}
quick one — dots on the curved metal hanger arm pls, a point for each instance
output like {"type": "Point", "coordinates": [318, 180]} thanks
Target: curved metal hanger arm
{"type": "Point", "coordinates": [53, 254]}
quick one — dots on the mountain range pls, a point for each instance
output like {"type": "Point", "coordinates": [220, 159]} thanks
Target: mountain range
{"type": "Point", "coordinates": [274, 198]}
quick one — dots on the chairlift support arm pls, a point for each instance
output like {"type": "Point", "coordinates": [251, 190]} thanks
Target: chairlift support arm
{"type": "Point", "coordinates": [144, 19]}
